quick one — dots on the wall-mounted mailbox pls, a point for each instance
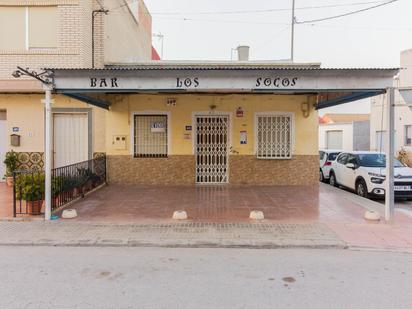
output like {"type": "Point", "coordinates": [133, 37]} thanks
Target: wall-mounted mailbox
{"type": "Point", "coordinates": [15, 140]}
{"type": "Point", "coordinates": [119, 142]}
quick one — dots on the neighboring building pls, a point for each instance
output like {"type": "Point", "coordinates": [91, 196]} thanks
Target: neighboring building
{"type": "Point", "coordinates": [348, 132]}
{"type": "Point", "coordinates": [58, 33]}
{"type": "Point", "coordinates": [403, 113]}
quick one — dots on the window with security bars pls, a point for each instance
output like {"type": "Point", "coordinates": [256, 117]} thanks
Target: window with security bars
{"type": "Point", "coordinates": [274, 136]}
{"type": "Point", "coordinates": [150, 136]}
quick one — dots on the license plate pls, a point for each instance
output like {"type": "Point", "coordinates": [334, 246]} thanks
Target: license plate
{"type": "Point", "coordinates": [402, 188]}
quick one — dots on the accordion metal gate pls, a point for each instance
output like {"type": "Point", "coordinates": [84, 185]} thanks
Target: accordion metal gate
{"type": "Point", "coordinates": [212, 149]}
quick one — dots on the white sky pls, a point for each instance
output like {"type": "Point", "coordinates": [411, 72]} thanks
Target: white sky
{"type": "Point", "coordinates": [369, 39]}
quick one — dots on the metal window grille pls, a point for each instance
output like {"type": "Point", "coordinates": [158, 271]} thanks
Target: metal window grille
{"type": "Point", "coordinates": [274, 137]}
{"type": "Point", "coordinates": [150, 136]}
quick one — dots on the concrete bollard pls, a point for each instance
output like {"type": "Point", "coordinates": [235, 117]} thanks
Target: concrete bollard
{"type": "Point", "coordinates": [371, 215]}
{"type": "Point", "coordinates": [180, 215]}
{"type": "Point", "coordinates": [256, 215]}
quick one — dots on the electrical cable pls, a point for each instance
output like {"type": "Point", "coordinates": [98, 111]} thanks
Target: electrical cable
{"type": "Point", "coordinates": [251, 11]}
{"type": "Point", "coordinates": [346, 14]}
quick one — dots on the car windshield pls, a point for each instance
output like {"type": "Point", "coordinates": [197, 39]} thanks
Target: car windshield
{"type": "Point", "coordinates": [332, 156]}
{"type": "Point", "coordinates": [376, 160]}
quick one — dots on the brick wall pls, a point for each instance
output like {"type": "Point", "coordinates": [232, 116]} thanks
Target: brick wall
{"type": "Point", "coordinates": [74, 41]}
{"type": "Point", "coordinates": [180, 170]}
{"type": "Point", "coordinates": [301, 170]}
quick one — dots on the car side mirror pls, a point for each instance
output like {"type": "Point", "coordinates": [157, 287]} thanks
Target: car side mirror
{"type": "Point", "coordinates": [350, 165]}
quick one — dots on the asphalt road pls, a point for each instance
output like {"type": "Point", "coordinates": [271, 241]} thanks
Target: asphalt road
{"type": "Point", "coordinates": [70, 277]}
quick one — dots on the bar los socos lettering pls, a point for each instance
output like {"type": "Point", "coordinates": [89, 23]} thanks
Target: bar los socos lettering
{"type": "Point", "coordinates": [277, 82]}
{"type": "Point", "coordinates": [195, 82]}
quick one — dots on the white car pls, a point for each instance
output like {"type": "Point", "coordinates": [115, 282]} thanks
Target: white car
{"type": "Point", "coordinates": [364, 173]}
{"type": "Point", "coordinates": [326, 157]}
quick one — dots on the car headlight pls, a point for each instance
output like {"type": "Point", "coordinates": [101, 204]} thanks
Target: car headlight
{"type": "Point", "coordinates": [376, 175]}
{"type": "Point", "coordinates": [377, 180]}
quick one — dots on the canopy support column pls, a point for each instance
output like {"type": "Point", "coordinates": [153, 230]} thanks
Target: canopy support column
{"type": "Point", "coordinates": [390, 153]}
{"type": "Point", "coordinates": [48, 152]}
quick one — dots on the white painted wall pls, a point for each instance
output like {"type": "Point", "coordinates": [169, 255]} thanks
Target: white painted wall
{"type": "Point", "coordinates": [347, 132]}
{"type": "Point", "coordinates": [403, 114]}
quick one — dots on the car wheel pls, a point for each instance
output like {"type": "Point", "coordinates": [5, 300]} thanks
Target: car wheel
{"type": "Point", "coordinates": [361, 188]}
{"type": "Point", "coordinates": [332, 180]}
{"type": "Point", "coordinates": [321, 178]}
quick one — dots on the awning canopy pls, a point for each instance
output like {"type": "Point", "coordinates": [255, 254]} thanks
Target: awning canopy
{"type": "Point", "coordinates": [332, 85]}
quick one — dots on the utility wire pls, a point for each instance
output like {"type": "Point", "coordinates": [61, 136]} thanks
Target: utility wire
{"type": "Point", "coordinates": [268, 10]}
{"type": "Point", "coordinates": [252, 11]}
{"type": "Point", "coordinates": [346, 14]}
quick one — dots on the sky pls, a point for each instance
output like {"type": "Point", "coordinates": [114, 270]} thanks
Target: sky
{"type": "Point", "coordinates": [210, 29]}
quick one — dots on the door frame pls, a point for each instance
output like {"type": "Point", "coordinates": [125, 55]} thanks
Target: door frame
{"type": "Point", "coordinates": [229, 115]}
{"type": "Point", "coordinates": [5, 142]}
{"type": "Point", "coordinates": [89, 113]}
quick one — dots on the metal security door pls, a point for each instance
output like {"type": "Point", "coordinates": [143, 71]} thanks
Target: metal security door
{"type": "Point", "coordinates": [212, 149]}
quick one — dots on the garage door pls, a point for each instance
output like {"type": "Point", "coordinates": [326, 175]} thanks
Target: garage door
{"type": "Point", "coordinates": [70, 139]}
{"type": "Point", "coordinates": [3, 143]}
{"type": "Point", "coordinates": [334, 140]}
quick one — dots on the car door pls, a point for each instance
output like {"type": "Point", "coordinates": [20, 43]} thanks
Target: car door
{"type": "Point", "coordinates": [339, 167]}
{"type": "Point", "coordinates": [349, 174]}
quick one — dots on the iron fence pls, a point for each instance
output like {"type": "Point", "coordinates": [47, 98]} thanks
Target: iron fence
{"type": "Point", "coordinates": [68, 183]}
{"type": "Point", "coordinates": [73, 181]}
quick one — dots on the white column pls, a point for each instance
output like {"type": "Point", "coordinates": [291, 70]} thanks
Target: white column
{"type": "Point", "coordinates": [390, 153]}
{"type": "Point", "coordinates": [48, 152]}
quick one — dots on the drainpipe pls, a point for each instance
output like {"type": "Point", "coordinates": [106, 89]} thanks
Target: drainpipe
{"type": "Point", "coordinates": [48, 150]}
{"type": "Point", "coordinates": [94, 13]}
{"type": "Point", "coordinates": [390, 152]}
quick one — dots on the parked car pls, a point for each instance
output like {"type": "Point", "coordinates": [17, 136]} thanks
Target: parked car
{"type": "Point", "coordinates": [326, 157]}
{"type": "Point", "coordinates": [364, 173]}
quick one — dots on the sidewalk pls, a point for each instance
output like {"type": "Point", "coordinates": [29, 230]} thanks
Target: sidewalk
{"type": "Point", "coordinates": [247, 235]}
{"type": "Point", "coordinates": [360, 234]}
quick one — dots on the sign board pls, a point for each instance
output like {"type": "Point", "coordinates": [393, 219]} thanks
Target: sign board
{"type": "Point", "coordinates": [157, 127]}
{"type": "Point", "coordinates": [182, 80]}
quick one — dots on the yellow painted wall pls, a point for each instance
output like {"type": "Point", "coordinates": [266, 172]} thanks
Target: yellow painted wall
{"type": "Point", "coordinates": [26, 111]}
{"type": "Point", "coordinates": [119, 118]}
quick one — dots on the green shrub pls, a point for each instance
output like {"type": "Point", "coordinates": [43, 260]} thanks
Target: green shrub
{"type": "Point", "coordinates": [11, 162]}
{"type": "Point", "coordinates": [30, 187]}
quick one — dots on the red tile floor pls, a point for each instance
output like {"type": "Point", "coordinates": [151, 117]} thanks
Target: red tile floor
{"type": "Point", "coordinates": [123, 204]}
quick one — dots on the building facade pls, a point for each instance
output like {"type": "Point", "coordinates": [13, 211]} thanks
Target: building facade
{"type": "Point", "coordinates": [67, 34]}
{"type": "Point", "coordinates": [403, 113]}
{"type": "Point", "coordinates": [349, 132]}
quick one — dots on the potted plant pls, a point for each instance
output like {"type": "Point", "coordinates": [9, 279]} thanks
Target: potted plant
{"type": "Point", "coordinates": [11, 162]}
{"type": "Point", "coordinates": [31, 189]}
{"type": "Point", "coordinates": [57, 189]}
{"type": "Point", "coordinates": [78, 182]}
{"type": "Point", "coordinates": [86, 175]}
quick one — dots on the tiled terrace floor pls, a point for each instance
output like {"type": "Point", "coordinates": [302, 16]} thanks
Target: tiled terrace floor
{"type": "Point", "coordinates": [128, 204]}
{"type": "Point", "coordinates": [131, 204]}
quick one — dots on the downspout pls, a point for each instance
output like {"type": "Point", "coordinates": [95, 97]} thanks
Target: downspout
{"type": "Point", "coordinates": [94, 13]}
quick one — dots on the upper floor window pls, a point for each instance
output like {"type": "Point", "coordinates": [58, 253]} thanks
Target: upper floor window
{"type": "Point", "coordinates": [25, 28]}
{"type": "Point", "coordinates": [274, 136]}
